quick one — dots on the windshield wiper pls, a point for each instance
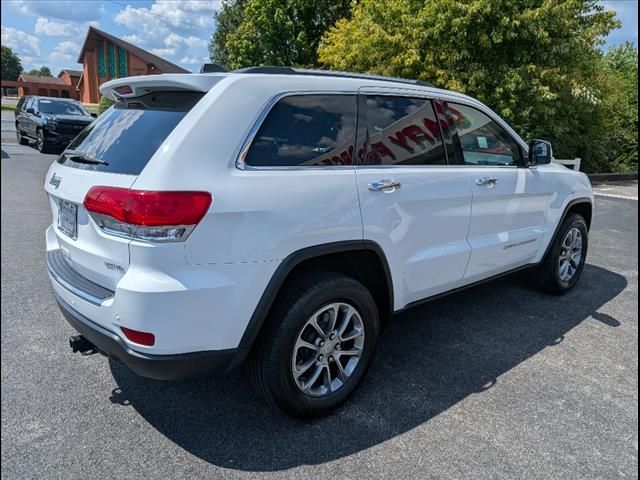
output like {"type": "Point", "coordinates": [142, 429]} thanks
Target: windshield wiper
{"type": "Point", "coordinates": [82, 157]}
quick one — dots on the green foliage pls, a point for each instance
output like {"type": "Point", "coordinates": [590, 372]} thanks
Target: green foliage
{"type": "Point", "coordinates": [228, 19]}
{"type": "Point", "coordinates": [536, 62]}
{"type": "Point", "coordinates": [11, 66]}
{"type": "Point", "coordinates": [45, 72]}
{"type": "Point", "coordinates": [273, 32]}
{"type": "Point", "coordinates": [617, 146]}
{"type": "Point", "coordinates": [40, 72]}
{"type": "Point", "coordinates": [104, 104]}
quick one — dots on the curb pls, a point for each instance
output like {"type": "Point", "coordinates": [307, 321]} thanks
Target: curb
{"type": "Point", "coordinates": [600, 177]}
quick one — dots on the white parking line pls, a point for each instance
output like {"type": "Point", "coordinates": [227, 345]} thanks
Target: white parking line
{"type": "Point", "coordinates": [624, 197]}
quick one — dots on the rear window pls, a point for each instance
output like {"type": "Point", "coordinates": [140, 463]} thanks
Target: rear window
{"type": "Point", "coordinates": [125, 137]}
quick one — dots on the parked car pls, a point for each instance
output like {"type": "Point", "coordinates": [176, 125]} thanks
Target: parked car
{"type": "Point", "coordinates": [281, 216]}
{"type": "Point", "coordinates": [50, 123]}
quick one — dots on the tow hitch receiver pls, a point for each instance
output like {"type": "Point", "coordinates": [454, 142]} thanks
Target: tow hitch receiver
{"type": "Point", "coordinates": [80, 344]}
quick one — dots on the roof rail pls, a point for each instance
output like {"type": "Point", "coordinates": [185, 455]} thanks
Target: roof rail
{"type": "Point", "coordinates": [328, 73]}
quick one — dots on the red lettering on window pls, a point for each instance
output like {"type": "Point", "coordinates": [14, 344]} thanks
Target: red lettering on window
{"type": "Point", "coordinates": [416, 134]}
{"type": "Point", "coordinates": [381, 150]}
{"type": "Point", "coordinates": [401, 140]}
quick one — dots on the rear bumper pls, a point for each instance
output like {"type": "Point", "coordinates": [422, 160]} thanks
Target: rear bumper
{"type": "Point", "coordinates": [160, 367]}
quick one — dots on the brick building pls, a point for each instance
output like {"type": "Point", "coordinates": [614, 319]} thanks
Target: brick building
{"type": "Point", "coordinates": [46, 86]}
{"type": "Point", "coordinates": [105, 57]}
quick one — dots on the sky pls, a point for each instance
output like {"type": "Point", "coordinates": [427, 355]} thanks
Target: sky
{"type": "Point", "coordinates": [44, 32]}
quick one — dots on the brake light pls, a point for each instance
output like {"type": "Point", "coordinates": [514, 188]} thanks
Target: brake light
{"type": "Point", "coordinates": [124, 90]}
{"type": "Point", "coordinates": [142, 338]}
{"type": "Point", "coordinates": [145, 214]}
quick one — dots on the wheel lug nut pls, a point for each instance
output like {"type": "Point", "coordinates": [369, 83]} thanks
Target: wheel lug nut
{"type": "Point", "coordinates": [332, 336]}
{"type": "Point", "coordinates": [322, 344]}
{"type": "Point", "coordinates": [320, 357]}
{"type": "Point", "coordinates": [338, 346]}
{"type": "Point", "coordinates": [330, 359]}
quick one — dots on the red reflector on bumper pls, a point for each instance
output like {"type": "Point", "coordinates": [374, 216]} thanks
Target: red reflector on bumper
{"type": "Point", "coordinates": [142, 338]}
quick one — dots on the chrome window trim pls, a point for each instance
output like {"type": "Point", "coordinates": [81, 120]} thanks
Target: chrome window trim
{"type": "Point", "coordinates": [373, 90]}
{"type": "Point", "coordinates": [262, 115]}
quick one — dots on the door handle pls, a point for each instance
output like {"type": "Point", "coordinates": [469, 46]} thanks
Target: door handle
{"type": "Point", "coordinates": [386, 185]}
{"type": "Point", "coordinates": [488, 181]}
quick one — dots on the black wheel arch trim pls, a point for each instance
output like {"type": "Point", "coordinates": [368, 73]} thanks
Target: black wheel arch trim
{"type": "Point", "coordinates": [290, 262]}
{"type": "Point", "coordinates": [571, 204]}
{"type": "Point", "coordinates": [286, 267]}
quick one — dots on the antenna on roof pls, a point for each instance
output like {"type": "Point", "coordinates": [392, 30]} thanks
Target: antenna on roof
{"type": "Point", "coordinates": [211, 68]}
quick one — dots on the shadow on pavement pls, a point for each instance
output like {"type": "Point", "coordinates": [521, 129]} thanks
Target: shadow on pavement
{"type": "Point", "coordinates": [429, 358]}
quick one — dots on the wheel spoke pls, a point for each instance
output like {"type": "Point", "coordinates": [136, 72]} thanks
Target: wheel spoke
{"type": "Point", "coordinates": [346, 319]}
{"type": "Point", "coordinates": [304, 344]}
{"type": "Point", "coordinates": [334, 311]}
{"type": "Point", "coordinates": [314, 377]}
{"type": "Point", "coordinates": [342, 375]}
{"type": "Point", "coordinates": [352, 335]}
{"type": "Point", "coordinates": [314, 323]}
{"type": "Point", "coordinates": [349, 352]}
{"type": "Point", "coordinates": [303, 368]}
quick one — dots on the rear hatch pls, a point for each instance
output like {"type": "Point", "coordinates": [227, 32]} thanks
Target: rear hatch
{"type": "Point", "coordinates": [111, 152]}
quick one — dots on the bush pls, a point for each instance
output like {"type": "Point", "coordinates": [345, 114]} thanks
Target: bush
{"type": "Point", "coordinates": [104, 104]}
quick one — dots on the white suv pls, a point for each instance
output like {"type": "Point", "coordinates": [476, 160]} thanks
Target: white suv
{"type": "Point", "coordinates": [282, 216]}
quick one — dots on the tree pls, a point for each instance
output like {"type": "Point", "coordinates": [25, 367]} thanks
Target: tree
{"type": "Point", "coordinates": [534, 61]}
{"type": "Point", "coordinates": [617, 146]}
{"type": "Point", "coordinates": [45, 72]}
{"type": "Point", "coordinates": [104, 105]}
{"type": "Point", "coordinates": [40, 72]}
{"type": "Point", "coordinates": [228, 19]}
{"type": "Point", "coordinates": [11, 65]}
{"type": "Point", "coordinates": [273, 32]}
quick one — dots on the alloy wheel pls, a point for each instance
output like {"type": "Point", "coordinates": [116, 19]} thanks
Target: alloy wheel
{"type": "Point", "coordinates": [570, 254]}
{"type": "Point", "coordinates": [328, 349]}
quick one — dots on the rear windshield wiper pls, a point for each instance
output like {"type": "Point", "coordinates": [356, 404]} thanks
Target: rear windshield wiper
{"type": "Point", "coordinates": [82, 157]}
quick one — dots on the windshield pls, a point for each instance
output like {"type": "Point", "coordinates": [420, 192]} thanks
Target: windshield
{"type": "Point", "coordinates": [124, 138]}
{"type": "Point", "coordinates": [61, 108]}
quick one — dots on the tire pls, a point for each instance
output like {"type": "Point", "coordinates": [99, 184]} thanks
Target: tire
{"type": "Point", "coordinates": [552, 274]}
{"type": "Point", "coordinates": [19, 137]}
{"type": "Point", "coordinates": [272, 362]}
{"type": "Point", "coordinates": [41, 142]}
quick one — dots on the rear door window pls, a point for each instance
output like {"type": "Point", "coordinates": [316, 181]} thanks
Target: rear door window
{"type": "Point", "coordinates": [124, 138]}
{"type": "Point", "coordinates": [402, 131]}
{"type": "Point", "coordinates": [306, 130]}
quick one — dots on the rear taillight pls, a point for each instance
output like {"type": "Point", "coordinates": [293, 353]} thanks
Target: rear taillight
{"type": "Point", "coordinates": [147, 215]}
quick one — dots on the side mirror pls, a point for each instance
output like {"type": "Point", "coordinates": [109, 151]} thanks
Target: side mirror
{"type": "Point", "coordinates": [540, 152]}
{"type": "Point", "coordinates": [31, 111]}
{"type": "Point", "coordinates": [94, 115]}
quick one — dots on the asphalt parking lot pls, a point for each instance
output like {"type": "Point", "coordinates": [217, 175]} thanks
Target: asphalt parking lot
{"type": "Point", "coordinates": [499, 381]}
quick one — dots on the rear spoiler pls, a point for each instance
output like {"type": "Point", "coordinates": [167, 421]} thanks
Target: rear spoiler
{"type": "Point", "coordinates": [130, 87]}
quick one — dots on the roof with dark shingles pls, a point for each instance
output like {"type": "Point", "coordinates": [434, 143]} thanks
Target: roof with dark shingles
{"type": "Point", "coordinates": [161, 64]}
{"type": "Point", "coordinates": [36, 79]}
{"type": "Point", "coordinates": [73, 73]}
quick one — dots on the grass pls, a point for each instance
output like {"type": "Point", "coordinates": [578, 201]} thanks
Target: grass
{"type": "Point", "coordinates": [8, 107]}
{"type": "Point", "coordinates": [91, 107]}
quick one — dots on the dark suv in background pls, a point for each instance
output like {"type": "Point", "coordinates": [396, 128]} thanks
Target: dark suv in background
{"type": "Point", "coordinates": [51, 123]}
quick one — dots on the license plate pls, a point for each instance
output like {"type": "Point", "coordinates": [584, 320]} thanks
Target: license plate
{"type": "Point", "coordinates": [68, 218]}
